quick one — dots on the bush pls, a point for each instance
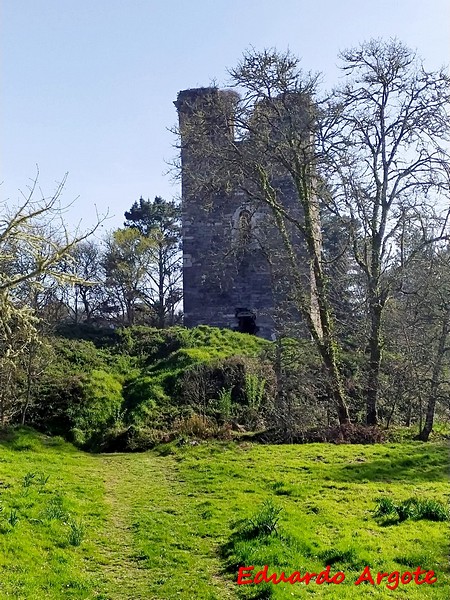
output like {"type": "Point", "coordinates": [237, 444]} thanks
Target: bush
{"type": "Point", "coordinates": [67, 383]}
{"type": "Point", "coordinates": [80, 353]}
{"type": "Point", "coordinates": [129, 439]}
{"type": "Point", "coordinates": [225, 404]}
{"type": "Point", "coordinates": [238, 387]}
{"type": "Point", "coordinates": [110, 390]}
{"type": "Point", "coordinates": [195, 426]}
{"type": "Point", "coordinates": [101, 405]}
{"type": "Point", "coordinates": [264, 523]}
{"type": "Point", "coordinates": [101, 337]}
{"type": "Point", "coordinates": [60, 392]}
{"type": "Point", "coordinates": [143, 399]}
{"type": "Point", "coordinates": [151, 344]}
{"type": "Point", "coordinates": [338, 434]}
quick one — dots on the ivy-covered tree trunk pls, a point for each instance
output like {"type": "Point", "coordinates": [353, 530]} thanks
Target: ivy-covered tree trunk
{"type": "Point", "coordinates": [313, 304]}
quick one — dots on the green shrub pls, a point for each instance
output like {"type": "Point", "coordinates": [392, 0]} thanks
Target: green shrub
{"type": "Point", "coordinates": [264, 523]}
{"type": "Point", "coordinates": [248, 382]}
{"type": "Point", "coordinates": [101, 405]}
{"type": "Point", "coordinates": [101, 337]}
{"type": "Point", "coordinates": [80, 353]}
{"type": "Point", "coordinates": [254, 390]}
{"type": "Point", "coordinates": [109, 390]}
{"type": "Point", "coordinates": [225, 403]}
{"type": "Point", "coordinates": [60, 392]}
{"type": "Point", "coordinates": [131, 438]}
{"type": "Point", "coordinates": [142, 397]}
{"type": "Point", "coordinates": [77, 436]}
{"type": "Point", "coordinates": [143, 438]}
{"type": "Point", "coordinates": [195, 426]}
{"type": "Point", "coordinates": [151, 344]}
{"type": "Point", "coordinates": [68, 379]}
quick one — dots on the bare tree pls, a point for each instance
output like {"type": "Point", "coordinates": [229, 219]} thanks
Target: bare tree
{"type": "Point", "coordinates": [34, 242]}
{"type": "Point", "coordinates": [385, 136]}
{"type": "Point", "coordinates": [90, 289]}
{"type": "Point", "coordinates": [34, 237]}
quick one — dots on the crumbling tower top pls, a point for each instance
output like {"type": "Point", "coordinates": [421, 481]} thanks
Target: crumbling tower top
{"type": "Point", "coordinates": [208, 108]}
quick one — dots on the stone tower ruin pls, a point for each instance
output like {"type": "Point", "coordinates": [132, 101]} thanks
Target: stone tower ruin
{"type": "Point", "coordinates": [228, 279]}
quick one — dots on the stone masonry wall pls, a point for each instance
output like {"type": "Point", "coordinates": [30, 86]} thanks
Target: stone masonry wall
{"type": "Point", "coordinates": [225, 285]}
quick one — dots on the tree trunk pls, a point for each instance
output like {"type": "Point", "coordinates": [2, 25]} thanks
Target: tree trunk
{"type": "Point", "coordinates": [374, 362]}
{"type": "Point", "coordinates": [409, 414]}
{"type": "Point", "coordinates": [161, 306]}
{"type": "Point", "coordinates": [76, 304]}
{"type": "Point", "coordinates": [391, 414]}
{"type": "Point", "coordinates": [434, 386]}
{"type": "Point", "coordinates": [29, 382]}
{"type": "Point", "coordinates": [334, 385]}
{"type": "Point", "coordinates": [321, 321]}
{"type": "Point", "coordinates": [429, 419]}
{"type": "Point", "coordinates": [87, 307]}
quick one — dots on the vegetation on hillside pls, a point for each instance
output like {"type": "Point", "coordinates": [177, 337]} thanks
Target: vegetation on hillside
{"type": "Point", "coordinates": [131, 388]}
{"type": "Point", "coordinates": [140, 385]}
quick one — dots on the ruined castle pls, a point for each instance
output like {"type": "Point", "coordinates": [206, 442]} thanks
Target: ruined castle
{"type": "Point", "coordinates": [229, 278]}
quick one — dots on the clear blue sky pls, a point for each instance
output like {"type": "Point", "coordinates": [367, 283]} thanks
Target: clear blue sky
{"type": "Point", "coordinates": [87, 86]}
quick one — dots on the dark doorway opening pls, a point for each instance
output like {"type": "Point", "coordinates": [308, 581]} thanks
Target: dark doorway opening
{"type": "Point", "coordinates": [246, 321]}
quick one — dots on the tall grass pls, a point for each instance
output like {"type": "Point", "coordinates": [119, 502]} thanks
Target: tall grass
{"type": "Point", "coordinates": [413, 508]}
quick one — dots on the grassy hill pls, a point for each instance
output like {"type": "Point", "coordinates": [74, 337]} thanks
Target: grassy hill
{"type": "Point", "coordinates": [127, 389]}
{"type": "Point", "coordinates": [157, 525]}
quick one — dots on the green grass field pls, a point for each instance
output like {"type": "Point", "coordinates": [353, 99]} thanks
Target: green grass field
{"type": "Point", "coordinates": [157, 525]}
